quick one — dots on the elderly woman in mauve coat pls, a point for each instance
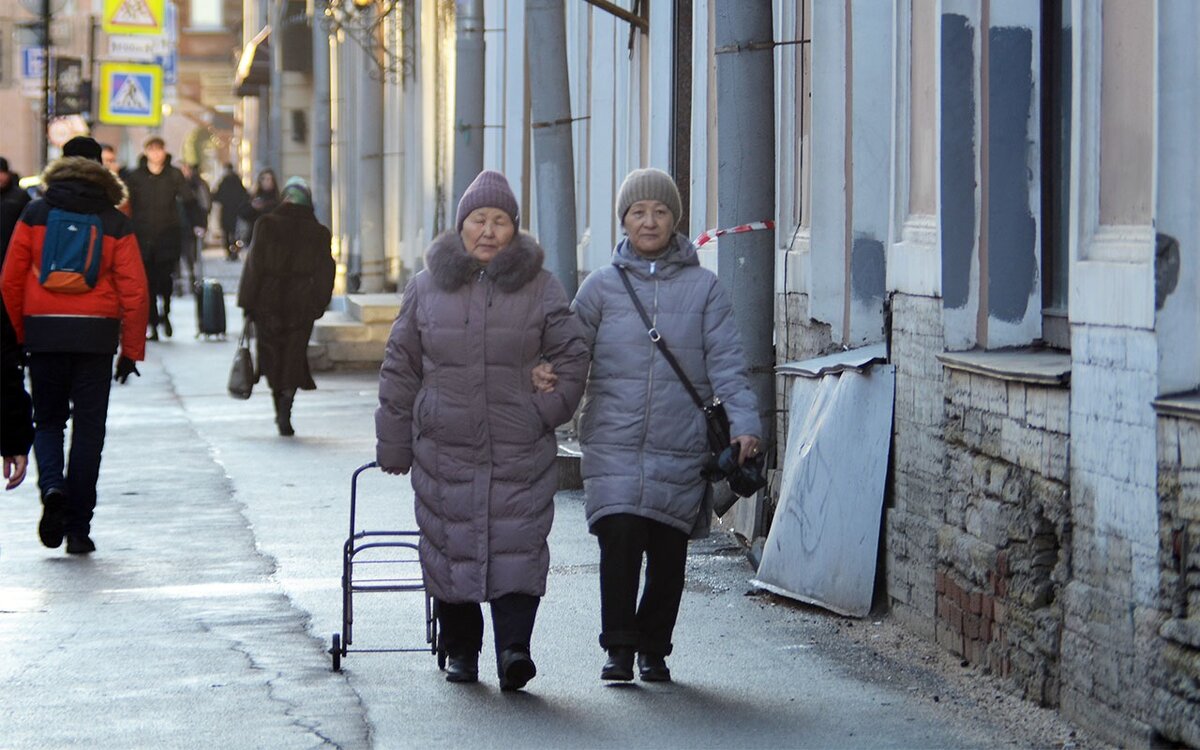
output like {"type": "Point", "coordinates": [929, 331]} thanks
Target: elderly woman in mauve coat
{"type": "Point", "coordinates": [457, 406]}
{"type": "Point", "coordinates": [643, 438]}
{"type": "Point", "coordinates": [285, 287]}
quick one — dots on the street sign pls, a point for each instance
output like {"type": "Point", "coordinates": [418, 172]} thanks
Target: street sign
{"type": "Point", "coordinates": [71, 92]}
{"type": "Point", "coordinates": [33, 66]}
{"type": "Point", "coordinates": [169, 59]}
{"type": "Point", "coordinates": [130, 93]}
{"type": "Point", "coordinates": [133, 17]}
{"type": "Point", "coordinates": [136, 48]}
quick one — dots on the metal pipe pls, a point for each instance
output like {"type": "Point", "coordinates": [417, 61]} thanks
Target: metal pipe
{"type": "Point", "coordinates": [746, 184]}
{"type": "Point", "coordinates": [639, 21]}
{"type": "Point", "coordinates": [554, 166]}
{"type": "Point", "coordinates": [468, 95]}
{"type": "Point", "coordinates": [322, 159]}
{"type": "Point", "coordinates": [44, 136]}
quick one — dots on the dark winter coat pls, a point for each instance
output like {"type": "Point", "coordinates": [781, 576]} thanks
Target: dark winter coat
{"type": "Point", "coordinates": [16, 414]}
{"type": "Point", "coordinates": [643, 438]}
{"type": "Point", "coordinates": [154, 200]}
{"type": "Point", "coordinates": [94, 321]}
{"type": "Point", "coordinates": [456, 404]}
{"type": "Point", "coordinates": [286, 285]}
{"type": "Point", "coordinates": [12, 201]}
{"type": "Point", "coordinates": [232, 196]}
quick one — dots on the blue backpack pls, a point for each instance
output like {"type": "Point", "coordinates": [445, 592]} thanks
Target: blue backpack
{"type": "Point", "coordinates": [71, 252]}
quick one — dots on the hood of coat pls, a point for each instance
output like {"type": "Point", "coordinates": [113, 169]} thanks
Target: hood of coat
{"type": "Point", "coordinates": [681, 254]}
{"type": "Point", "coordinates": [77, 183]}
{"type": "Point", "coordinates": [512, 268]}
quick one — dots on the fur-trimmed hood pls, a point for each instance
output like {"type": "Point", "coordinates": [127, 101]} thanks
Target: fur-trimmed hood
{"type": "Point", "coordinates": [512, 268]}
{"type": "Point", "coordinates": [78, 182]}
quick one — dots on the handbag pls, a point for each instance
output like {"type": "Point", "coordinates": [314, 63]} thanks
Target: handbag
{"type": "Point", "coordinates": [241, 375]}
{"type": "Point", "coordinates": [716, 421]}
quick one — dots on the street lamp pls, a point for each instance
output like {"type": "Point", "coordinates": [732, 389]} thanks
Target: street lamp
{"type": "Point", "coordinates": [366, 23]}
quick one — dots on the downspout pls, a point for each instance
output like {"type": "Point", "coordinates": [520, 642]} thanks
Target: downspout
{"type": "Point", "coordinates": [554, 166]}
{"type": "Point", "coordinates": [746, 184]}
{"type": "Point", "coordinates": [468, 96]}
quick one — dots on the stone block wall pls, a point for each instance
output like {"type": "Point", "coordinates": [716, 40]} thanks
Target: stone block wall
{"type": "Point", "coordinates": [799, 337]}
{"type": "Point", "coordinates": [918, 485]}
{"type": "Point", "coordinates": [1004, 547]}
{"type": "Point", "coordinates": [1177, 691]}
{"type": "Point", "coordinates": [1111, 606]}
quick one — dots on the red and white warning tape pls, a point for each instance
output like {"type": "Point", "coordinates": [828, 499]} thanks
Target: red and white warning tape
{"type": "Point", "coordinates": [708, 236]}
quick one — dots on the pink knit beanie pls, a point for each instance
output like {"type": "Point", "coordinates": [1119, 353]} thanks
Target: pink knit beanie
{"type": "Point", "coordinates": [488, 190]}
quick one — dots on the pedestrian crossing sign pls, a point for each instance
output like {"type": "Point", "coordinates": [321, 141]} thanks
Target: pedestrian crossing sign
{"type": "Point", "coordinates": [133, 16]}
{"type": "Point", "coordinates": [130, 93]}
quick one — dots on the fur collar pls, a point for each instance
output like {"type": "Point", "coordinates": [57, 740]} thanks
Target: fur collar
{"type": "Point", "coordinates": [512, 268]}
{"type": "Point", "coordinates": [82, 169]}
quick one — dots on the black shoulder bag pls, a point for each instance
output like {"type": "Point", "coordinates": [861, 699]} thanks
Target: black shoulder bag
{"type": "Point", "coordinates": [715, 418]}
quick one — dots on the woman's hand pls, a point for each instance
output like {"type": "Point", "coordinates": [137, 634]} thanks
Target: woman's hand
{"type": "Point", "coordinates": [544, 378]}
{"type": "Point", "coordinates": [14, 470]}
{"type": "Point", "coordinates": [393, 470]}
{"type": "Point", "coordinates": [747, 447]}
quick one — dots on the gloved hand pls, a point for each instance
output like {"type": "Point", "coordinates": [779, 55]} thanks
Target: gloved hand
{"type": "Point", "coordinates": [125, 368]}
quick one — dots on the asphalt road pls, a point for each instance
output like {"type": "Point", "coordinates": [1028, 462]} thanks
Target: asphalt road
{"type": "Point", "coordinates": [204, 617]}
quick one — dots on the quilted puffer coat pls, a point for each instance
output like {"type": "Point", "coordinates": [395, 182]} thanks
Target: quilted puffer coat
{"type": "Point", "coordinates": [457, 405]}
{"type": "Point", "coordinates": [643, 438]}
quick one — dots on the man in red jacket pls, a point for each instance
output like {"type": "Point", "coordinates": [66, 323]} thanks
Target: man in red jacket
{"type": "Point", "coordinates": [71, 336]}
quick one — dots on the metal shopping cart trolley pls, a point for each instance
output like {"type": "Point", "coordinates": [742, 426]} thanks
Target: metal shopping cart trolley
{"type": "Point", "coordinates": [380, 562]}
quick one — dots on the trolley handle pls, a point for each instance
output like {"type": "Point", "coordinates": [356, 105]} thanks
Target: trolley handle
{"type": "Point", "coordinates": [354, 490]}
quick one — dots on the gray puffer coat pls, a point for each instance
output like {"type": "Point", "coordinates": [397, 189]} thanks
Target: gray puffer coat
{"type": "Point", "coordinates": [643, 438]}
{"type": "Point", "coordinates": [456, 404]}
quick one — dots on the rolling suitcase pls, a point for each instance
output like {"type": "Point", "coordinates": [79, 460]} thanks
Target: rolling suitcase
{"type": "Point", "coordinates": [210, 302]}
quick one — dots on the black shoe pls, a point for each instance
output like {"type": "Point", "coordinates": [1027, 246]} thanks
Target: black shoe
{"type": "Point", "coordinates": [166, 324]}
{"type": "Point", "coordinates": [285, 427]}
{"type": "Point", "coordinates": [80, 544]}
{"type": "Point", "coordinates": [462, 668]}
{"type": "Point", "coordinates": [653, 668]}
{"type": "Point", "coordinates": [516, 669]}
{"type": "Point", "coordinates": [153, 335]}
{"type": "Point", "coordinates": [50, 528]}
{"type": "Point", "coordinates": [619, 667]}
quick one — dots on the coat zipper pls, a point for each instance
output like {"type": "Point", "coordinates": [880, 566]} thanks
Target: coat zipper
{"type": "Point", "coordinates": [649, 389]}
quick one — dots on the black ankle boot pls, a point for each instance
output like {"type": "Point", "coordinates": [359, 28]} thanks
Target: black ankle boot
{"type": "Point", "coordinates": [653, 668]}
{"type": "Point", "coordinates": [462, 668]}
{"type": "Point", "coordinates": [516, 669]}
{"type": "Point", "coordinates": [619, 667]}
{"type": "Point", "coordinates": [283, 411]}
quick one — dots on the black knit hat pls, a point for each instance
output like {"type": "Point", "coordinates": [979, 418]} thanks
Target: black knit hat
{"type": "Point", "coordinates": [83, 146]}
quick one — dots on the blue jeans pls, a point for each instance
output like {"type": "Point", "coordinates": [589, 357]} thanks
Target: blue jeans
{"type": "Point", "coordinates": [70, 385]}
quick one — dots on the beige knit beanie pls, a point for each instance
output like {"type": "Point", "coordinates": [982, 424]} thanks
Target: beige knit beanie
{"type": "Point", "coordinates": [649, 184]}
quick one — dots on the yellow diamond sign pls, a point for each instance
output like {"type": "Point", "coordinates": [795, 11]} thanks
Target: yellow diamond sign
{"type": "Point", "coordinates": [133, 16]}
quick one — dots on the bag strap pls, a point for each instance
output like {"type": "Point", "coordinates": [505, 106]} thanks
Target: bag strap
{"type": "Point", "coordinates": [657, 338]}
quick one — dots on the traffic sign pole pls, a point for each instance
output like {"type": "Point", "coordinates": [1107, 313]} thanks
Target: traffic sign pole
{"type": "Point", "coordinates": [44, 135]}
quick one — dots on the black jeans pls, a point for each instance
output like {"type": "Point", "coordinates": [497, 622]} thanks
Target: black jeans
{"type": "Point", "coordinates": [76, 386]}
{"type": "Point", "coordinates": [624, 539]}
{"type": "Point", "coordinates": [512, 624]}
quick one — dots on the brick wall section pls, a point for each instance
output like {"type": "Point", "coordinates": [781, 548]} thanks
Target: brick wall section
{"type": "Point", "coordinates": [801, 338]}
{"type": "Point", "coordinates": [917, 493]}
{"type": "Point", "coordinates": [1177, 692]}
{"type": "Point", "coordinates": [1004, 549]}
{"type": "Point", "coordinates": [1110, 653]}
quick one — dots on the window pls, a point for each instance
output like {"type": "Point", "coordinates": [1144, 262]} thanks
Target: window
{"type": "Point", "coordinates": [206, 14]}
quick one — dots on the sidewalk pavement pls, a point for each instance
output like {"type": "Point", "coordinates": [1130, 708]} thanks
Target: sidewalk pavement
{"type": "Point", "coordinates": [204, 617]}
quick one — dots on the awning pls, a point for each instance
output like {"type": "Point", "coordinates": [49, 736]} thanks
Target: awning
{"type": "Point", "coordinates": [254, 67]}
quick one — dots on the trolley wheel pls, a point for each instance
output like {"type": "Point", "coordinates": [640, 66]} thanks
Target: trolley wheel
{"type": "Point", "coordinates": [336, 652]}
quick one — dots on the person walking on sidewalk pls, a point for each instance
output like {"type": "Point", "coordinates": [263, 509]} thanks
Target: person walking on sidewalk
{"type": "Point", "coordinates": [456, 405]}
{"type": "Point", "coordinates": [12, 201]}
{"type": "Point", "coordinates": [264, 201]}
{"type": "Point", "coordinates": [155, 190]}
{"type": "Point", "coordinates": [285, 287]}
{"type": "Point", "coordinates": [644, 441]}
{"type": "Point", "coordinates": [71, 328]}
{"type": "Point", "coordinates": [232, 196]}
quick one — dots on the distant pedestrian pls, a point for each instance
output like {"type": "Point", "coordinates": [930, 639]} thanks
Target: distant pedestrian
{"type": "Point", "coordinates": [71, 323]}
{"type": "Point", "coordinates": [195, 215]}
{"type": "Point", "coordinates": [285, 287]}
{"type": "Point", "coordinates": [12, 201]}
{"type": "Point", "coordinates": [644, 441]}
{"type": "Point", "coordinates": [16, 412]}
{"type": "Point", "coordinates": [264, 201]}
{"type": "Point", "coordinates": [155, 190]}
{"type": "Point", "coordinates": [456, 405]}
{"type": "Point", "coordinates": [108, 156]}
{"type": "Point", "coordinates": [232, 196]}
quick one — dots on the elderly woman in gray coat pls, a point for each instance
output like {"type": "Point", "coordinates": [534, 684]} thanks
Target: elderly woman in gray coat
{"type": "Point", "coordinates": [456, 405]}
{"type": "Point", "coordinates": [643, 438]}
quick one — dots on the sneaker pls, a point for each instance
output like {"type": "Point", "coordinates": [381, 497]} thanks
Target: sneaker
{"type": "Point", "coordinates": [80, 544]}
{"type": "Point", "coordinates": [50, 528]}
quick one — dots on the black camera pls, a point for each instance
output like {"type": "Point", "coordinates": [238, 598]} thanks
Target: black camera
{"type": "Point", "coordinates": [745, 479]}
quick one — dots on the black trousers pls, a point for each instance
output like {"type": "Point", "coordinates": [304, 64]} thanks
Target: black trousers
{"type": "Point", "coordinates": [646, 626]}
{"type": "Point", "coordinates": [512, 624]}
{"type": "Point", "coordinates": [70, 386]}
